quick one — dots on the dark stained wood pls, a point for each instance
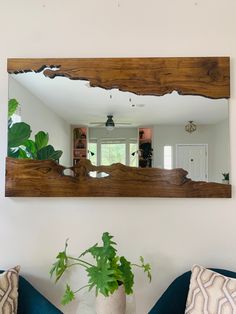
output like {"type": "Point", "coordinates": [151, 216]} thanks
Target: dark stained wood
{"type": "Point", "coordinates": [46, 178]}
{"type": "Point", "coordinates": [205, 76]}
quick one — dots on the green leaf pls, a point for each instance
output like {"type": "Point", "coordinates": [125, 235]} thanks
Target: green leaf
{"type": "Point", "coordinates": [94, 250]}
{"type": "Point", "coordinates": [48, 153]}
{"type": "Point", "coordinates": [14, 153]}
{"type": "Point", "coordinates": [56, 155]}
{"type": "Point", "coordinates": [115, 266]}
{"type": "Point", "coordinates": [30, 148]}
{"type": "Point", "coordinates": [107, 251]}
{"type": "Point", "coordinates": [22, 154]}
{"type": "Point", "coordinates": [12, 106]}
{"type": "Point", "coordinates": [102, 277]}
{"type": "Point", "coordinates": [41, 139]}
{"type": "Point", "coordinates": [9, 122]}
{"type": "Point", "coordinates": [127, 275]}
{"type": "Point", "coordinates": [146, 268]}
{"type": "Point", "coordinates": [18, 133]}
{"type": "Point", "coordinates": [68, 296]}
{"type": "Point", "coordinates": [61, 264]}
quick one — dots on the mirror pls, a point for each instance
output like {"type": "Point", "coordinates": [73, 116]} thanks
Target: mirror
{"type": "Point", "coordinates": [109, 125]}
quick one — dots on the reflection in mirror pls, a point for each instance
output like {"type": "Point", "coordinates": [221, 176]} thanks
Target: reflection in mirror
{"type": "Point", "coordinates": [111, 126]}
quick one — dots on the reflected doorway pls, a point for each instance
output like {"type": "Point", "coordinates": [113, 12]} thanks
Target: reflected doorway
{"type": "Point", "coordinates": [194, 159]}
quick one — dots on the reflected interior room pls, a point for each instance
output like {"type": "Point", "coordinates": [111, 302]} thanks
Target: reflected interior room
{"type": "Point", "coordinates": [109, 126]}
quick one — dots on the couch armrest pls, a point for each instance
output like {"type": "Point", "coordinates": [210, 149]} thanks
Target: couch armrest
{"type": "Point", "coordinates": [31, 301]}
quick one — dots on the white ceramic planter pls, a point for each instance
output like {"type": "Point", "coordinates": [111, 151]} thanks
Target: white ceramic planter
{"type": "Point", "coordinates": [225, 181]}
{"type": "Point", "coordinates": [114, 304]}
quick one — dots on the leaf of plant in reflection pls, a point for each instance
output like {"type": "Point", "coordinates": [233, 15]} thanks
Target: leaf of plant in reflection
{"type": "Point", "coordinates": [18, 133]}
{"type": "Point", "coordinates": [19, 143]}
{"type": "Point", "coordinates": [41, 139]}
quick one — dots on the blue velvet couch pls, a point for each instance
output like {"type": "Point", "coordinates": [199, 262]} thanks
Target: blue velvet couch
{"type": "Point", "coordinates": [174, 299]}
{"type": "Point", "coordinates": [31, 301]}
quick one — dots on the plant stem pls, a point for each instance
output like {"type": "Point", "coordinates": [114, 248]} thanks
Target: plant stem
{"type": "Point", "coordinates": [137, 265]}
{"type": "Point", "coordinates": [81, 288]}
{"type": "Point", "coordinates": [77, 264]}
{"type": "Point", "coordinates": [80, 260]}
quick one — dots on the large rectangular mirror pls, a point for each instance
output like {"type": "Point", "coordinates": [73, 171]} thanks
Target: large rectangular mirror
{"type": "Point", "coordinates": [90, 127]}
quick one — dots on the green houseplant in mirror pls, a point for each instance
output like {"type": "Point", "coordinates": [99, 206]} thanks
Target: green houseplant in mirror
{"type": "Point", "coordinates": [110, 274]}
{"type": "Point", "coordinates": [19, 143]}
{"type": "Point", "coordinates": [225, 179]}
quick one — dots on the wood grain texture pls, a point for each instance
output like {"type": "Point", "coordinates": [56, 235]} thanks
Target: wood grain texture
{"type": "Point", "coordinates": [46, 178]}
{"type": "Point", "coordinates": [205, 76]}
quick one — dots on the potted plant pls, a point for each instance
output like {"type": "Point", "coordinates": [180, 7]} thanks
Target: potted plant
{"type": "Point", "coordinates": [110, 275]}
{"type": "Point", "coordinates": [225, 179]}
{"type": "Point", "coordinates": [21, 146]}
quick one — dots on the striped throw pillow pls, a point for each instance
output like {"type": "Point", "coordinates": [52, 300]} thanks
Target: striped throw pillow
{"type": "Point", "coordinates": [210, 293]}
{"type": "Point", "coordinates": [9, 291]}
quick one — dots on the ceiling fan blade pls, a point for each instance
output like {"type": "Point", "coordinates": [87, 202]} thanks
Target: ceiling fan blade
{"type": "Point", "coordinates": [124, 123]}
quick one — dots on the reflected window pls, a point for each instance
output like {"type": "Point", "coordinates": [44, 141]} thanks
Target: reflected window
{"type": "Point", "coordinates": [133, 149]}
{"type": "Point", "coordinates": [92, 153]}
{"type": "Point", "coordinates": [113, 152]}
{"type": "Point", "coordinates": [168, 157]}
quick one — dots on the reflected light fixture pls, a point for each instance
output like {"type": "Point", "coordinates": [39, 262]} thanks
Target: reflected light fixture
{"type": "Point", "coordinates": [110, 123]}
{"type": "Point", "coordinates": [190, 127]}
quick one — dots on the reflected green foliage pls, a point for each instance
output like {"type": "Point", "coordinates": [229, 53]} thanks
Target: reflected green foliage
{"type": "Point", "coordinates": [21, 146]}
{"type": "Point", "coordinates": [113, 153]}
{"type": "Point", "coordinates": [18, 133]}
{"type": "Point", "coordinates": [41, 140]}
{"type": "Point", "coordinates": [12, 106]}
{"type": "Point", "coordinates": [108, 272]}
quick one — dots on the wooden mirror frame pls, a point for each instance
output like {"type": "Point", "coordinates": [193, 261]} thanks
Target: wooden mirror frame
{"type": "Point", "coordinates": [204, 76]}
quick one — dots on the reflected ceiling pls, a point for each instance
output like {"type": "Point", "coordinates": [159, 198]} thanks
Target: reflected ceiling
{"type": "Point", "coordinates": [78, 103]}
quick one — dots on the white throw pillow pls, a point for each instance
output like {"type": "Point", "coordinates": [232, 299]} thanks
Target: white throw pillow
{"type": "Point", "coordinates": [9, 291]}
{"type": "Point", "coordinates": [210, 293]}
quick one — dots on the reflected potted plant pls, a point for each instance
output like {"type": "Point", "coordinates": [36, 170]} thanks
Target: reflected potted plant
{"type": "Point", "coordinates": [21, 146]}
{"type": "Point", "coordinates": [110, 275]}
{"type": "Point", "coordinates": [225, 179]}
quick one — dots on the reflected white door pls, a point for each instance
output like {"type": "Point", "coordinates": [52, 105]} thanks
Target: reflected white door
{"type": "Point", "coordinates": [194, 159]}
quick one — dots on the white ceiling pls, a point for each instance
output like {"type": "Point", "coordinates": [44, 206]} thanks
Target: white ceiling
{"type": "Point", "coordinates": [78, 103]}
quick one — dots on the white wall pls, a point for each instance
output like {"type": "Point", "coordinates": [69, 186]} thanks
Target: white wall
{"type": "Point", "coordinates": [118, 133]}
{"type": "Point", "coordinates": [222, 150]}
{"type": "Point", "coordinates": [215, 135]}
{"type": "Point", "coordinates": [171, 233]}
{"type": "Point", "coordinates": [41, 118]}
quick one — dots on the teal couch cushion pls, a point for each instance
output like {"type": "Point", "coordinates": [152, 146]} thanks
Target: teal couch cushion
{"type": "Point", "coordinates": [173, 300]}
{"type": "Point", "coordinates": [31, 301]}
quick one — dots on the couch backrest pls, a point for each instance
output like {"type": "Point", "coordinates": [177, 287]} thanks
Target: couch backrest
{"type": "Point", "coordinates": [31, 301]}
{"type": "Point", "coordinates": [173, 300]}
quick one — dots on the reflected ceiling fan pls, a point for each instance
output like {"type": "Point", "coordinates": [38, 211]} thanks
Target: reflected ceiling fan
{"type": "Point", "coordinates": [110, 124]}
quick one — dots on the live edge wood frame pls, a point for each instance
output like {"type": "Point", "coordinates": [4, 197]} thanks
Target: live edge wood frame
{"type": "Point", "coordinates": [205, 76]}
